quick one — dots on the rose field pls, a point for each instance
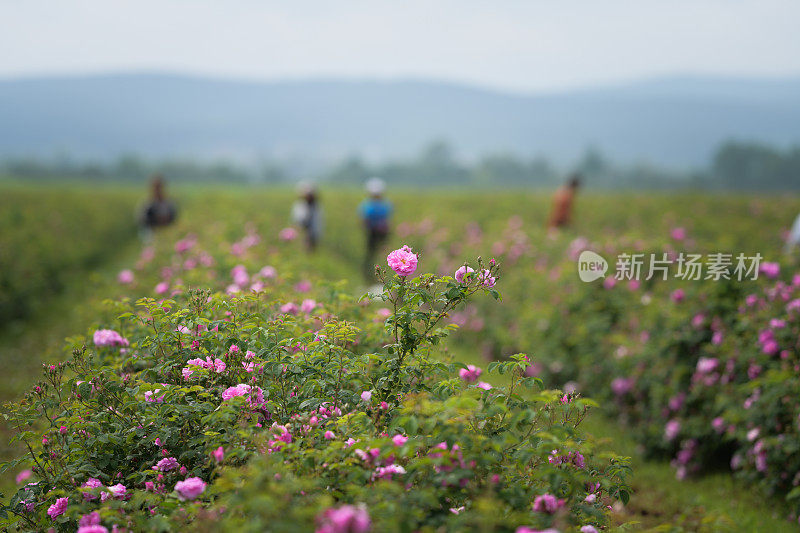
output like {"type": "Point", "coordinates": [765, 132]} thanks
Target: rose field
{"type": "Point", "coordinates": [222, 378]}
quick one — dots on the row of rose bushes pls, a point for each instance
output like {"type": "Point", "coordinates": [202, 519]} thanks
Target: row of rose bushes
{"type": "Point", "coordinates": [725, 387]}
{"type": "Point", "coordinates": [50, 236]}
{"type": "Point", "coordinates": [691, 365]}
{"type": "Point", "coordinates": [705, 371]}
{"type": "Point", "coordinates": [290, 405]}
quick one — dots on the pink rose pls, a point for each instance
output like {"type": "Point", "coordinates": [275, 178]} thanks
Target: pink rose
{"type": "Point", "coordinates": [190, 488]}
{"type": "Point", "coordinates": [344, 519]}
{"type": "Point", "coordinates": [219, 454]}
{"type": "Point", "coordinates": [24, 475]}
{"type": "Point", "coordinates": [403, 261]}
{"type": "Point", "coordinates": [108, 337]}
{"type": "Point", "coordinates": [125, 276]}
{"type": "Point", "coordinates": [97, 528]}
{"type": "Point", "coordinates": [58, 508]}
{"type": "Point", "coordinates": [486, 279]}
{"type": "Point", "coordinates": [547, 503]}
{"type": "Point", "coordinates": [462, 272]}
{"type": "Point", "coordinates": [119, 491]}
{"type": "Point", "coordinates": [678, 234]}
{"type": "Point", "coordinates": [399, 440]}
{"type": "Point", "coordinates": [289, 308]}
{"type": "Point", "coordinates": [771, 270]}
{"type": "Point", "coordinates": [287, 234]}
{"type": "Point", "coordinates": [671, 429]}
{"type": "Point", "coordinates": [308, 305]}
{"type": "Point", "coordinates": [470, 374]}
{"type": "Point", "coordinates": [166, 464]}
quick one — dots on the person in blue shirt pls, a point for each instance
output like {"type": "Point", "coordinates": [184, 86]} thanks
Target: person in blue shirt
{"type": "Point", "coordinates": [375, 212]}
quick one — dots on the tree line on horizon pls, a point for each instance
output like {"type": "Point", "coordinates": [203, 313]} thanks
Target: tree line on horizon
{"type": "Point", "coordinates": [738, 166]}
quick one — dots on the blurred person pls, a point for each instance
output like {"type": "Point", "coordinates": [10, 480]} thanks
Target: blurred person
{"type": "Point", "coordinates": [158, 211]}
{"type": "Point", "coordinates": [793, 239]}
{"type": "Point", "coordinates": [561, 215]}
{"type": "Point", "coordinates": [307, 214]}
{"type": "Point", "coordinates": [375, 212]}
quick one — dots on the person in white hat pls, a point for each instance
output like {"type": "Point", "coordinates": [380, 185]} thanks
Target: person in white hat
{"type": "Point", "coordinates": [375, 213]}
{"type": "Point", "coordinates": [307, 214]}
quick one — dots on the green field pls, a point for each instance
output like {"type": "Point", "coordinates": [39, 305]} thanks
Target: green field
{"type": "Point", "coordinates": [62, 248]}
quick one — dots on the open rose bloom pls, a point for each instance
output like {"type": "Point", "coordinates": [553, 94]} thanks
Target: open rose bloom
{"type": "Point", "coordinates": [403, 261]}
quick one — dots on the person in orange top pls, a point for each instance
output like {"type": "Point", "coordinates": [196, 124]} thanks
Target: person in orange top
{"type": "Point", "coordinates": [562, 203]}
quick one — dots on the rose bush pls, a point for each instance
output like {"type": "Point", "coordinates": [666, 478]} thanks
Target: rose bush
{"type": "Point", "coordinates": [231, 410]}
{"type": "Point", "coordinates": [705, 372]}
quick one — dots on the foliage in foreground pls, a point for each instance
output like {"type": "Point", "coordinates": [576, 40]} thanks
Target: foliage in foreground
{"type": "Point", "coordinates": [250, 412]}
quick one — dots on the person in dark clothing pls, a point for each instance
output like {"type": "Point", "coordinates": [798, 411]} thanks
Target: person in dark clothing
{"type": "Point", "coordinates": [307, 214]}
{"type": "Point", "coordinates": [375, 212]}
{"type": "Point", "coordinates": [158, 211]}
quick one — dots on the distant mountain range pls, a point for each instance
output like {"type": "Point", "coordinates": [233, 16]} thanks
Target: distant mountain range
{"type": "Point", "coordinates": [677, 122]}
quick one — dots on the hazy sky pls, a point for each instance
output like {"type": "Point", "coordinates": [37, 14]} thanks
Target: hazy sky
{"type": "Point", "coordinates": [517, 45]}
